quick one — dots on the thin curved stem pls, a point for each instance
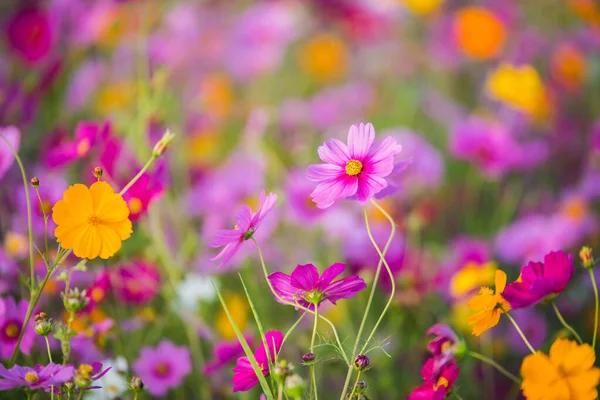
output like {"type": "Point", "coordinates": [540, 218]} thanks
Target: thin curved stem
{"type": "Point", "coordinates": [266, 273]}
{"type": "Point", "coordinates": [139, 175]}
{"type": "Point", "coordinates": [45, 220]}
{"type": "Point", "coordinates": [565, 324]}
{"type": "Point", "coordinates": [313, 378]}
{"type": "Point", "coordinates": [494, 364]}
{"type": "Point", "coordinates": [289, 332]}
{"type": "Point", "coordinates": [521, 333]}
{"type": "Point", "coordinates": [593, 278]}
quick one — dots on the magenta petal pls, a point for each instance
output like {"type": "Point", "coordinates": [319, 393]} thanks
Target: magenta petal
{"type": "Point", "coordinates": [330, 273]}
{"type": "Point", "coordinates": [225, 237]}
{"type": "Point", "coordinates": [244, 377]}
{"type": "Point", "coordinates": [327, 193]}
{"type": "Point", "coordinates": [305, 277]}
{"type": "Point", "coordinates": [324, 172]}
{"type": "Point", "coordinates": [227, 253]}
{"type": "Point", "coordinates": [282, 286]}
{"type": "Point", "coordinates": [387, 148]}
{"type": "Point", "coordinates": [266, 204]}
{"type": "Point", "coordinates": [334, 152]}
{"type": "Point", "coordinates": [360, 140]}
{"type": "Point", "coordinates": [274, 340]}
{"type": "Point", "coordinates": [344, 288]}
{"type": "Point", "coordinates": [244, 218]}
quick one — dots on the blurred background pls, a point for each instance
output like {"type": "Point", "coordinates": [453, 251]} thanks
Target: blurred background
{"type": "Point", "coordinates": [495, 102]}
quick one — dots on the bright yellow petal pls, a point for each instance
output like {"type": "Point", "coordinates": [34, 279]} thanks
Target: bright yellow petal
{"type": "Point", "coordinates": [123, 228]}
{"type": "Point", "coordinates": [571, 357]}
{"type": "Point", "coordinates": [500, 281]}
{"type": "Point", "coordinates": [67, 235]}
{"type": "Point", "coordinates": [541, 379]}
{"type": "Point", "coordinates": [482, 300]}
{"type": "Point", "coordinates": [108, 205]}
{"type": "Point", "coordinates": [584, 385]}
{"type": "Point", "coordinates": [487, 321]}
{"type": "Point", "coordinates": [87, 244]}
{"type": "Point", "coordinates": [79, 201]}
{"type": "Point", "coordinates": [111, 242]}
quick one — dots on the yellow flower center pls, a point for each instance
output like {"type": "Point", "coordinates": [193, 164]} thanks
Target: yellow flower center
{"type": "Point", "coordinates": [471, 276]}
{"type": "Point", "coordinates": [135, 205]}
{"type": "Point", "coordinates": [85, 371]}
{"type": "Point", "coordinates": [353, 167]}
{"type": "Point", "coordinates": [15, 244]}
{"type": "Point", "coordinates": [162, 369]}
{"type": "Point", "coordinates": [83, 147]}
{"type": "Point", "coordinates": [441, 382]}
{"type": "Point", "coordinates": [12, 330]}
{"type": "Point", "coordinates": [113, 388]}
{"type": "Point", "coordinates": [93, 220]}
{"type": "Point", "coordinates": [31, 377]}
{"type": "Point", "coordinates": [446, 345]}
{"type": "Point", "coordinates": [97, 294]}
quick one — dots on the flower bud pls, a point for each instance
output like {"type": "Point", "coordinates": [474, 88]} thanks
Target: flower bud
{"type": "Point", "coordinates": [42, 325]}
{"type": "Point", "coordinates": [75, 300]}
{"type": "Point", "coordinates": [361, 386]}
{"type": "Point", "coordinates": [294, 386]}
{"type": "Point", "coordinates": [586, 256]}
{"type": "Point", "coordinates": [136, 384]}
{"type": "Point", "coordinates": [35, 182]}
{"type": "Point", "coordinates": [83, 376]}
{"type": "Point", "coordinates": [308, 359]}
{"type": "Point", "coordinates": [161, 145]}
{"type": "Point", "coordinates": [98, 172]}
{"type": "Point", "coordinates": [361, 362]}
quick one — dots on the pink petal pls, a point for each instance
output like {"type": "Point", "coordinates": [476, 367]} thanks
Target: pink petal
{"type": "Point", "coordinates": [334, 152]}
{"type": "Point", "coordinates": [227, 253]}
{"type": "Point", "coordinates": [345, 288]}
{"type": "Point", "coordinates": [331, 272]}
{"type": "Point", "coordinates": [388, 147]}
{"type": "Point", "coordinates": [266, 204]}
{"type": "Point", "coordinates": [360, 139]}
{"type": "Point", "coordinates": [369, 185]}
{"type": "Point", "coordinates": [225, 237]}
{"type": "Point", "coordinates": [327, 193]}
{"type": "Point", "coordinates": [274, 340]}
{"type": "Point", "coordinates": [282, 285]}
{"type": "Point", "coordinates": [324, 172]}
{"type": "Point", "coordinates": [305, 277]}
{"type": "Point", "coordinates": [244, 218]}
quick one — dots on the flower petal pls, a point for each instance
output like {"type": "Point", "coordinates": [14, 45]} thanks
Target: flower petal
{"type": "Point", "coordinates": [330, 273]}
{"type": "Point", "coordinates": [360, 139]}
{"type": "Point", "coordinates": [305, 277]}
{"type": "Point", "coordinates": [334, 152]}
{"type": "Point", "coordinates": [324, 172]}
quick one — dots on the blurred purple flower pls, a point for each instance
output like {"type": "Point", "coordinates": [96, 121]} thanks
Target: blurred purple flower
{"type": "Point", "coordinates": [357, 169]}
{"type": "Point", "coordinates": [308, 289]}
{"type": "Point", "coordinates": [35, 378]}
{"type": "Point", "coordinates": [533, 325]}
{"type": "Point", "coordinates": [244, 378]}
{"type": "Point", "coordinates": [247, 223]}
{"type": "Point", "coordinates": [443, 347]}
{"type": "Point", "coordinates": [301, 207]}
{"type": "Point", "coordinates": [11, 323]}
{"type": "Point", "coordinates": [225, 353]}
{"type": "Point", "coordinates": [13, 136]}
{"type": "Point", "coordinates": [163, 367]}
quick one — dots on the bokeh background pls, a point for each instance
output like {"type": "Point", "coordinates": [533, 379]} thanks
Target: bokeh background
{"type": "Point", "coordinates": [495, 102]}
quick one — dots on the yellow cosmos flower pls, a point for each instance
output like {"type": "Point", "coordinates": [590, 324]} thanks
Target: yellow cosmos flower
{"type": "Point", "coordinates": [520, 88]}
{"type": "Point", "coordinates": [471, 276]}
{"type": "Point", "coordinates": [422, 7]}
{"type": "Point", "coordinates": [239, 309]}
{"type": "Point", "coordinates": [490, 305]}
{"type": "Point", "coordinates": [324, 58]}
{"type": "Point", "coordinates": [567, 373]}
{"type": "Point", "coordinates": [91, 221]}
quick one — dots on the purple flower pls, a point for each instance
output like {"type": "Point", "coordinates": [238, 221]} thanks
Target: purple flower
{"type": "Point", "coordinates": [35, 378]}
{"type": "Point", "coordinates": [533, 325]}
{"type": "Point", "coordinates": [247, 223]}
{"type": "Point", "coordinates": [444, 346]}
{"type": "Point", "coordinates": [224, 353]}
{"type": "Point", "coordinates": [357, 169]}
{"type": "Point", "coordinates": [163, 367]}
{"type": "Point", "coordinates": [11, 323]}
{"type": "Point", "coordinates": [244, 378]}
{"type": "Point", "coordinates": [306, 287]}
{"type": "Point", "coordinates": [30, 35]}
{"type": "Point", "coordinates": [7, 157]}
{"type": "Point", "coordinates": [301, 207]}
{"type": "Point", "coordinates": [540, 280]}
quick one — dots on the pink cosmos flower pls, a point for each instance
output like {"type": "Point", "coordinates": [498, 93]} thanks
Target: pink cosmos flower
{"type": "Point", "coordinates": [163, 367]}
{"type": "Point", "coordinates": [34, 378]}
{"type": "Point", "coordinates": [357, 169]}
{"type": "Point", "coordinates": [436, 385]}
{"type": "Point", "coordinates": [11, 323]}
{"type": "Point", "coordinates": [306, 287]}
{"type": "Point", "coordinates": [247, 223]}
{"type": "Point", "coordinates": [540, 280]}
{"type": "Point", "coordinates": [87, 134]}
{"type": "Point", "coordinates": [224, 353]}
{"type": "Point", "coordinates": [136, 282]}
{"type": "Point", "coordinates": [30, 35]}
{"type": "Point", "coordinates": [244, 377]}
{"type": "Point", "coordinates": [444, 346]}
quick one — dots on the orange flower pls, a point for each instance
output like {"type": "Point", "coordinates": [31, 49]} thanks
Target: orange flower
{"type": "Point", "coordinates": [479, 33]}
{"type": "Point", "coordinates": [569, 66]}
{"type": "Point", "coordinates": [490, 304]}
{"type": "Point", "coordinates": [93, 222]}
{"type": "Point", "coordinates": [568, 373]}
{"type": "Point", "coordinates": [324, 58]}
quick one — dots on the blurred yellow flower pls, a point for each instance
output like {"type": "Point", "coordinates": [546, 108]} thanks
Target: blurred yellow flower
{"type": "Point", "coordinates": [238, 307]}
{"type": "Point", "coordinates": [91, 221]}
{"type": "Point", "coordinates": [479, 32]}
{"type": "Point", "coordinates": [324, 57]}
{"type": "Point", "coordinates": [471, 277]}
{"type": "Point", "coordinates": [567, 373]}
{"type": "Point", "coordinates": [490, 305]}
{"type": "Point", "coordinates": [216, 95]}
{"type": "Point", "coordinates": [519, 87]}
{"type": "Point", "coordinates": [422, 7]}
{"type": "Point", "coordinates": [16, 245]}
{"type": "Point", "coordinates": [202, 148]}
{"type": "Point", "coordinates": [114, 97]}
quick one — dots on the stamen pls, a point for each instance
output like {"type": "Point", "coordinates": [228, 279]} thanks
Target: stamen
{"type": "Point", "coordinates": [354, 167]}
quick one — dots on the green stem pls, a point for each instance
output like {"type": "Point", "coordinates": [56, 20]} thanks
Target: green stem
{"type": "Point", "coordinates": [593, 278]}
{"type": "Point", "coordinates": [280, 392]}
{"type": "Point", "coordinates": [565, 324]}
{"type": "Point", "coordinates": [80, 395]}
{"type": "Point", "coordinates": [48, 348]}
{"type": "Point", "coordinates": [139, 175]}
{"type": "Point", "coordinates": [494, 364]}
{"type": "Point", "coordinates": [288, 333]}
{"type": "Point", "coordinates": [312, 350]}
{"type": "Point", "coordinates": [45, 220]}
{"type": "Point", "coordinates": [135, 396]}
{"type": "Point", "coordinates": [455, 393]}
{"type": "Point", "coordinates": [266, 273]}
{"type": "Point", "coordinates": [521, 333]}
{"type": "Point", "coordinates": [67, 349]}
{"type": "Point", "coordinates": [355, 385]}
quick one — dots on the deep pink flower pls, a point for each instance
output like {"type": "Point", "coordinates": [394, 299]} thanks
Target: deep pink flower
{"type": "Point", "coordinates": [244, 377]}
{"type": "Point", "coordinates": [98, 292]}
{"type": "Point", "coordinates": [136, 282]}
{"type": "Point", "coordinates": [247, 223]}
{"type": "Point", "coordinates": [97, 373]}
{"type": "Point", "coordinates": [87, 134]}
{"type": "Point", "coordinates": [11, 323]}
{"type": "Point", "coordinates": [224, 353]}
{"type": "Point", "coordinates": [163, 367]}
{"type": "Point", "coordinates": [444, 346]}
{"type": "Point", "coordinates": [357, 169]}
{"type": "Point", "coordinates": [35, 378]}
{"type": "Point", "coordinates": [30, 34]}
{"type": "Point", "coordinates": [306, 287]}
{"type": "Point", "coordinates": [540, 280]}
{"type": "Point", "coordinates": [436, 385]}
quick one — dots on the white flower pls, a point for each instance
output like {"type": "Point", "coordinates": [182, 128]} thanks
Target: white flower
{"type": "Point", "coordinates": [193, 289]}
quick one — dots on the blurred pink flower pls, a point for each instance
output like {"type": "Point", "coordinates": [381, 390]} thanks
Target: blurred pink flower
{"type": "Point", "coordinates": [225, 353]}
{"type": "Point", "coordinates": [436, 385]}
{"type": "Point", "coordinates": [11, 323]}
{"type": "Point", "coordinates": [244, 377]}
{"type": "Point", "coordinates": [30, 34]}
{"type": "Point", "coordinates": [163, 367]}
{"type": "Point", "coordinates": [135, 282]}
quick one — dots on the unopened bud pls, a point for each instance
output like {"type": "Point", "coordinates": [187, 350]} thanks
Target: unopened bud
{"type": "Point", "coordinates": [98, 172]}
{"type": "Point", "coordinates": [586, 256]}
{"type": "Point", "coordinates": [75, 300]}
{"type": "Point", "coordinates": [308, 359]}
{"type": "Point", "coordinates": [361, 362]}
{"type": "Point", "coordinates": [42, 325]}
{"type": "Point", "coordinates": [136, 384]}
{"type": "Point", "coordinates": [161, 145]}
{"type": "Point", "coordinates": [361, 386]}
{"type": "Point", "coordinates": [294, 386]}
{"type": "Point", "coordinates": [35, 182]}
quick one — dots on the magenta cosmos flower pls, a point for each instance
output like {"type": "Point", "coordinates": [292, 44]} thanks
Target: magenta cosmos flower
{"type": "Point", "coordinates": [540, 280]}
{"type": "Point", "coordinates": [307, 288]}
{"type": "Point", "coordinates": [30, 35]}
{"type": "Point", "coordinates": [247, 224]}
{"type": "Point", "coordinates": [358, 169]}
{"type": "Point", "coordinates": [163, 367]}
{"type": "Point", "coordinates": [11, 323]}
{"type": "Point", "coordinates": [35, 378]}
{"type": "Point", "coordinates": [436, 385]}
{"type": "Point", "coordinates": [244, 377]}
{"type": "Point", "coordinates": [443, 346]}
{"type": "Point", "coordinates": [224, 353]}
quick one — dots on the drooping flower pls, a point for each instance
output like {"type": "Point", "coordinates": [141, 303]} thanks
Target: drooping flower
{"type": "Point", "coordinates": [437, 384]}
{"type": "Point", "coordinates": [224, 353]}
{"type": "Point", "coordinates": [540, 280]}
{"type": "Point", "coordinates": [41, 376]}
{"type": "Point", "coordinates": [13, 136]}
{"type": "Point", "coordinates": [479, 33]}
{"type": "Point", "coordinates": [308, 289]}
{"type": "Point", "coordinates": [30, 35]}
{"type": "Point", "coordinates": [91, 221]}
{"type": "Point", "coordinates": [490, 305]}
{"type": "Point", "coordinates": [244, 377]}
{"type": "Point", "coordinates": [163, 367]}
{"type": "Point", "coordinates": [358, 168]}
{"type": "Point", "coordinates": [567, 372]}
{"type": "Point", "coordinates": [444, 346]}
{"type": "Point", "coordinates": [247, 223]}
{"type": "Point", "coordinates": [11, 323]}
